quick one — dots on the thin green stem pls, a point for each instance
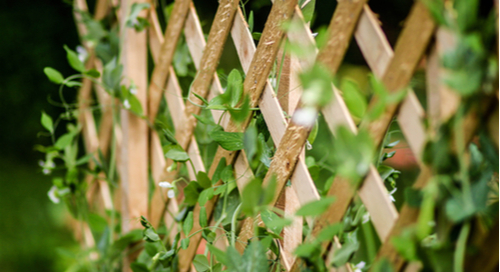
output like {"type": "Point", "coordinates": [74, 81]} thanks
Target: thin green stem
{"type": "Point", "coordinates": [464, 171]}
{"type": "Point", "coordinates": [233, 224]}
{"type": "Point", "coordinates": [458, 258]}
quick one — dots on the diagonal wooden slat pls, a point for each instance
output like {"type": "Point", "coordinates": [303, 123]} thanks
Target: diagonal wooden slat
{"type": "Point", "coordinates": [341, 188]}
{"type": "Point", "coordinates": [252, 86]}
{"type": "Point", "coordinates": [409, 49]}
{"type": "Point", "coordinates": [161, 70]}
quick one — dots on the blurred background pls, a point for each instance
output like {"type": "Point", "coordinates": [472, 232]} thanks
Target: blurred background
{"type": "Point", "coordinates": [33, 231]}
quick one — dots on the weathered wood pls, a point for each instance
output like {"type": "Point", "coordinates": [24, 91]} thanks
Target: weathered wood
{"type": "Point", "coordinates": [378, 53]}
{"type": "Point", "coordinates": [340, 32]}
{"type": "Point", "coordinates": [208, 65]}
{"type": "Point", "coordinates": [409, 49]}
{"type": "Point", "coordinates": [161, 70]}
{"type": "Point", "coordinates": [196, 44]}
{"type": "Point", "coordinates": [252, 86]}
{"type": "Point", "coordinates": [345, 190]}
{"type": "Point", "coordinates": [293, 141]}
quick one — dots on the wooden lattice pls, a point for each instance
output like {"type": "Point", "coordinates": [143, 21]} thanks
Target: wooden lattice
{"type": "Point", "coordinates": [139, 146]}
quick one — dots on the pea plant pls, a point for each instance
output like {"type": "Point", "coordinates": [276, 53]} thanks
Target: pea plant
{"type": "Point", "coordinates": [460, 196]}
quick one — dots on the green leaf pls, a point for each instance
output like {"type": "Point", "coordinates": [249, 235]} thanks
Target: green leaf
{"type": "Point", "coordinates": [93, 73]}
{"type": "Point", "coordinates": [239, 115]}
{"type": "Point", "coordinates": [139, 267]}
{"type": "Point", "coordinates": [328, 232]}
{"type": "Point", "coordinates": [227, 174]}
{"type": "Point", "coordinates": [219, 254]}
{"type": "Point", "coordinates": [230, 141]}
{"type": "Point", "coordinates": [405, 245]}
{"type": "Point", "coordinates": [208, 235]}
{"type": "Point", "coordinates": [256, 35]}
{"type": "Point", "coordinates": [203, 179]}
{"type": "Point", "coordinates": [315, 208]}
{"type": "Point", "coordinates": [53, 75]}
{"type": "Point", "coordinates": [217, 103]}
{"type": "Point", "coordinates": [73, 60]}
{"type": "Point", "coordinates": [270, 190]}
{"type": "Point", "coordinates": [73, 84]}
{"type": "Point", "coordinates": [47, 122]}
{"type": "Point", "coordinates": [343, 254]}
{"type": "Point", "coordinates": [97, 223]}
{"type": "Point", "coordinates": [64, 141]}
{"type": "Point", "coordinates": [234, 89]}
{"type": "Point", "coordinates": [217, 268]}
{"type": "Point", "coordinates": [187, 226]}
{"type": "Point", "coordinates": [185, 243]}
{"type": "Point", "coordinates": [466, 12]}
{"type": "Point", "coordinates": [176, 153]}
{"type": "Point", "coordinates": [317, 84]}
{"type": "Point", "coordinates": [413, 197]}
{"type": "Point", "coordinates": [234, 260]}
{"type": "Point", "coordinates": [254, 258]}
{"type": "Point", "coordinates": [314, 132]}
{"type": "Point", "coordinates": [218, 171]}
{"type": "Point", "coordinates": [352, 153]}
{"type": "Point", "coordinates": [383, 265]}
{"type": "Point", "coordinates": [200, 263]}
{"type": "Point", "coordinates": [112, 76]}
{"type": "Point", "coordinates": [205, 196]}
{"type": "Point", "coordinates": [308, 11]}
{"type": "Point", "coordinates": [355, 101]}
{"type": "Point", "coordinates": [191, 193]}
{"type": "Point", "coordinates": [232, 201]}
{"type": "Point", "coordinates": [274, 222]}
{"type": "Point", "coordinates": [250, 21]}
{"type": "Point", "coordinates": [203, 217]}
{"type": "Point", "coordinates": [134, 105]}
{"type": "Point", "coordinates": [150, 235]}
{"type": "Point", "coordinates": [133, 20]}
{"type": "Point", "coordinates": [250, 197]}
{"type": "Point", "coordinates": [306, 250]}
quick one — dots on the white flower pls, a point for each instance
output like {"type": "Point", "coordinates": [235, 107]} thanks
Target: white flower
{"type": "Point", "coordinates": [171, 194]}
{"type": "Point", "coordinates": [391, 193]}
{"type": "Point", "coordinates": [165, 184]}
{"type": "Point", "coordinates": [308, 145]}
{"type": "Point", "coordinates": [46, 171]}
{"type": "Point", "coordinates": [82, 53]}
{"type": "Point", "coordinates": [133, 89]}
{"type": "Point", "coordinates": [53, 194]}
{"type": "Point", "coordinates": [359, 266]}
{"type": "Point", "coordinates": [126, 104]}
{"type": "Point", "coordinates": [41, 163]}
{"type": "Point", "coordinates": [305, 116]}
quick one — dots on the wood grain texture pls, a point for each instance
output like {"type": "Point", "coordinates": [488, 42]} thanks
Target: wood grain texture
{"type": "Point", "coordinates": [134, 168]}
{"type": "Point", "coordinates": [340, 32]}
{"type": "Point", "coordinates": [269, 105]}
{"type": "Point", "coordinates": [209, 61]}
{"type": "Point", "coordinates": [408, 59]}
{"type": "Point", "coordinates": [409, 49]}
{"type": "Point", "coordinates": [253, 86]}
{"type": "Point", "coordinates": [164, 60]}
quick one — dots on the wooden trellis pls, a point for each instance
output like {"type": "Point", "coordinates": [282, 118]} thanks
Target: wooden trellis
{"type": "Point", "coordinates": [139, 146]}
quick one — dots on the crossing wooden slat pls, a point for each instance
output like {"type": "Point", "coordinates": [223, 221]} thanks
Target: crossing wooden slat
{"type": "Point", "coordinates": [161, 70]}
{"type": "Point", "coordinates": [409, 49]}
{"type": "Point", "coordinates": [253, 86]}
